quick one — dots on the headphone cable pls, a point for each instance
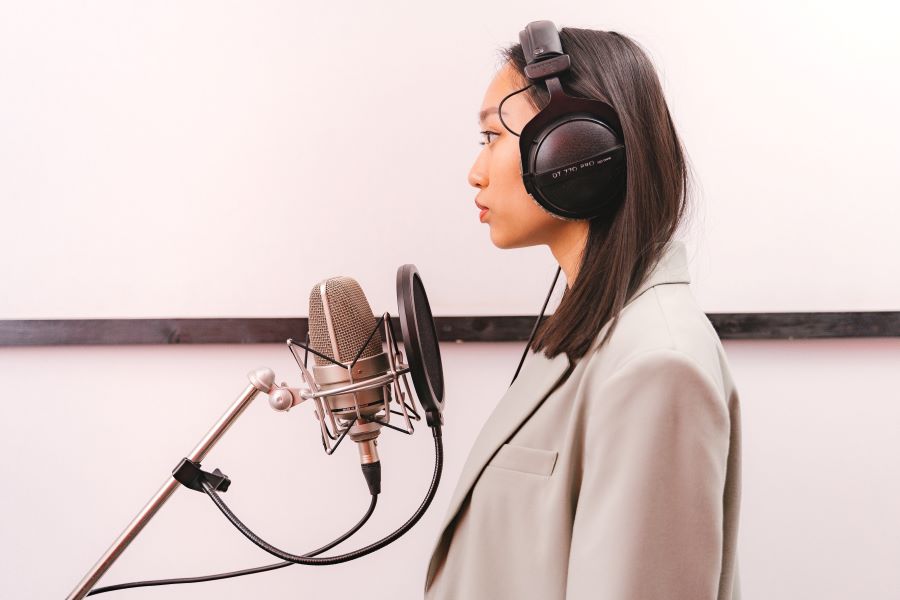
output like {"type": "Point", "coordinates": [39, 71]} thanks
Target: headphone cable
{"type": "Point", "coordinates": [536, 323]}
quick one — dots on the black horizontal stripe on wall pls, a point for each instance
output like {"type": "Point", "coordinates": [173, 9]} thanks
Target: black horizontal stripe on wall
{"type": "Point", "coordinates": [734, 326]}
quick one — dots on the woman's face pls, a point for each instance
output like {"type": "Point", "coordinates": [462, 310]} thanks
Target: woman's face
{"type": "Point", "coordinates": [515, 218]}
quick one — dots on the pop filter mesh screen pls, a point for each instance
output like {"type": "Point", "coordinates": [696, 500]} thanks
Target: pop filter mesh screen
{"type": "Point", "coordinates": [431, 351]}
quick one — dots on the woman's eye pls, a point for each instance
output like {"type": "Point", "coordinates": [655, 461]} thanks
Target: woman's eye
{"type": "Point", "coordinates": [487, 137]}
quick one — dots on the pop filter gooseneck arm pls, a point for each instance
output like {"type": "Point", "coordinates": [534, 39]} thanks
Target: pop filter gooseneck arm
{"type": "Point", "coordinates": [536, 323]}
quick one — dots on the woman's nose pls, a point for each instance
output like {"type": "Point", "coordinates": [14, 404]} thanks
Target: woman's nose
{"type": "Point", "coordinates": [477, 177]}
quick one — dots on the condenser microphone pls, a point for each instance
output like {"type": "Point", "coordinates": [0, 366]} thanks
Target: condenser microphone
{"type": "Point", "coordinates": [342, 328]}
{"type": "Point", "coordinates": [351, 381]}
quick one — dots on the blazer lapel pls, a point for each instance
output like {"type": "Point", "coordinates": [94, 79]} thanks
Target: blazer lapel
{"type": "Point", "coordinates": [538, 377]}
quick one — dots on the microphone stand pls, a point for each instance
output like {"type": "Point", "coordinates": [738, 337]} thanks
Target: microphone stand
{"type": "Point", "coordinates": [261, 380]}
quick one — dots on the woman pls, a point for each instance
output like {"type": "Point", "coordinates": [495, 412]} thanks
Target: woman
{"type": "Point", "coordinates": [611, 467]}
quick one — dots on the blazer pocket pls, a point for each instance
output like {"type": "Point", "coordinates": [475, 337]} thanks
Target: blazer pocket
{"type": "Point", "coordinates": [524, 459]}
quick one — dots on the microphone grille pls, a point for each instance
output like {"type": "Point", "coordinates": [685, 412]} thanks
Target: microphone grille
{"type": "Point", "coordinates": [341, 301]}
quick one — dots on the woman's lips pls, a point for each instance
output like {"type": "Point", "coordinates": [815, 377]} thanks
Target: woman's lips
{"type": "Point", "coordinates": [483, 212]}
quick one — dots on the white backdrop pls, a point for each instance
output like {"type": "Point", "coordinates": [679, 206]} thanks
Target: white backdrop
{"type": "Point", "coordinates": [179, 159]}
{"type": "Point", "coordinates": [182, 159]}
{"type": "Point", "coordinates": [89, 434]}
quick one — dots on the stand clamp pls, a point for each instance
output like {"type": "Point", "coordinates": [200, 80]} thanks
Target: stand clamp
{"type": "Point", "coordinates": [189, 474]}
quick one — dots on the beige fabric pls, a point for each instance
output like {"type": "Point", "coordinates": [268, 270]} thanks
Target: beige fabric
{"type": "Point", "coordinates": [614, 478]}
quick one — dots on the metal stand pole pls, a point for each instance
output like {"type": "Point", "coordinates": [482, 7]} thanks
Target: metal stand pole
{"type": "Point", "coordinates": [261, 380]}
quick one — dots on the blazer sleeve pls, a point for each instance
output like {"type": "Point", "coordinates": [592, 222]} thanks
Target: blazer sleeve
{"type": "Point", "coordinates": [648, 520]}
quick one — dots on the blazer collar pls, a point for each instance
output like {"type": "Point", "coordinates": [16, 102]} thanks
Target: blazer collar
{"type": "Point", "coordinates": [671, 268]}
{"type": "Point", "coordinates": [537, 379]}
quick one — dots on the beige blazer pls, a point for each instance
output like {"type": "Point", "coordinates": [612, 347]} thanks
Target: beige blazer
{"type": "Point", "coordinates": [614, 478]}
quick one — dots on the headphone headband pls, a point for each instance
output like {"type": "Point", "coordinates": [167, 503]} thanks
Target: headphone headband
{"type": "Point", "coordinates": [543, 50]}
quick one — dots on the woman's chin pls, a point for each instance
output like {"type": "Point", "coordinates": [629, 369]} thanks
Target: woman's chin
{"type": "Point", "coordinates": [505, 242]}
{"type": "Point", "coordinates": [499, 240]}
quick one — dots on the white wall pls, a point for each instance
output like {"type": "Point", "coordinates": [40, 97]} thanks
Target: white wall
{"type": "Point", "coordinates": [169, 159]}
{"type": "Point", "coordinates": [176, 159]}
{"type": "Point", "coordinates": [88, 434]}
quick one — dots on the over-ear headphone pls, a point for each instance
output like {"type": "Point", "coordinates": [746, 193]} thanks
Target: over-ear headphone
{"type": "Point", "coordinates": [573, 152]}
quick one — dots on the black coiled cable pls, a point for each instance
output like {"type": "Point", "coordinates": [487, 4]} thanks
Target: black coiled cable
{"type": "Point", "coordinates": [331, 560]}
{"type": "Point", "coordinates": [272, 567]}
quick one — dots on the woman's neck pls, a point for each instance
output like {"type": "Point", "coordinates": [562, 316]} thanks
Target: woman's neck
{"type": "Point", "coordinates": [568, 246]}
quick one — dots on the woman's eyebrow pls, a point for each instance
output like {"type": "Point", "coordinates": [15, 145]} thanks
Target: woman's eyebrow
{"type": "Point", "coordinates": [484, 114]}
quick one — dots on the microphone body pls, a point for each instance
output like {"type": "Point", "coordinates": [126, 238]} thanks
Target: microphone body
{"type": "Point", "coordinates": [343, 328]}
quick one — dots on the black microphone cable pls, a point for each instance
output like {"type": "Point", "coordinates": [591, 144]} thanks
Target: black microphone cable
{"type": "Point", "coordinates": [332, 560]}
{"type": "Point", "coordinates": [308, 558]}
{"type": "Point", "coordinates": [536, 323]}
{"type": "Point", "coordinates": [272, 567]}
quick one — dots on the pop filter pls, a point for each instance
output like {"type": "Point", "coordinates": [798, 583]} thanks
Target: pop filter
{"type": "Point", "coordinates": [421, 343]}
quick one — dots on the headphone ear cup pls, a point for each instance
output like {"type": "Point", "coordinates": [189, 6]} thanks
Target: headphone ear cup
{"type": "Point", "coordinates": [572, 150]}
{"type": "Point", "coordinates": [586, 192]}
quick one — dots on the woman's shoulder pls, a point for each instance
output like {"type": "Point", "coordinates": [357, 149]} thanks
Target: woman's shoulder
{"type": "Point", "coordinates": [666, 320]}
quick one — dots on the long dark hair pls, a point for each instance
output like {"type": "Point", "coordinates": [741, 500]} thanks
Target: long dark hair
{"type": "Point", "coordinates": [620, 251]}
